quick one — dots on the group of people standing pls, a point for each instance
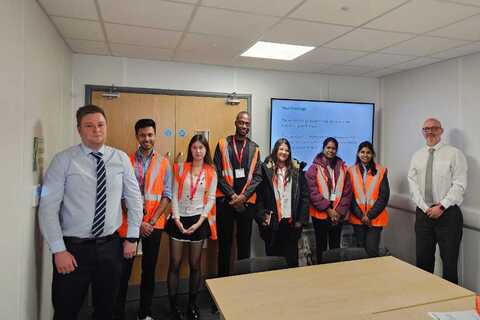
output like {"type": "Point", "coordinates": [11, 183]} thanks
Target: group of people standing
{"type": "Point", "coordinates": [88, 185]}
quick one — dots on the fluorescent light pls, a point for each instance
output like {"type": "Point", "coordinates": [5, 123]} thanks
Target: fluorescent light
{"type": "Point", "coordinates": [279, 51]}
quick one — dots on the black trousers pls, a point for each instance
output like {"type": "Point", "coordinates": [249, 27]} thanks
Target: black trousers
{"type": "Point", "coordinates": [150, 249]}
{"type": "Point", "coordinates": [119, 311]}
{"type": "Point", "coordinates": [447, 231]}
{"type": "Point", "coordinates": [284, 243]}
{"type": "Point", "coordinates": [99, 265]}
{"type": "Point", "coordinates": [368, 237]}
{"type": "Point", "coordinates": [326, 233]}
{"type": "Point", "coordinates": [226, 216]}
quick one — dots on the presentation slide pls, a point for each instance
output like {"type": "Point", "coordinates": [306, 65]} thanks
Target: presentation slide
{"type": "Point", "coordinates": [306, 123]}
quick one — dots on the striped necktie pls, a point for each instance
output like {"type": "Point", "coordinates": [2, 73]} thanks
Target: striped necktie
{"type": "Point", "coordinates": [101, 199]}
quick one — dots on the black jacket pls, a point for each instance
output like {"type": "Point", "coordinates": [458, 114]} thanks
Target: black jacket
{"type": "Point", "coordinates": [266, 195]}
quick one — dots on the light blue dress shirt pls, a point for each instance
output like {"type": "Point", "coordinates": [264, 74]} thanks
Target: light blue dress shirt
{"type": "Point", "coordinates": [67, 202]}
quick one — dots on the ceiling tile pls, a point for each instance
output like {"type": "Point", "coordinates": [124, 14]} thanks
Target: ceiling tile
{"type": "Point", "coordinates": [381, 72]}
{"type": "Point", "coordinates": [147, 13]}
{"type": "Point", "coordinates": [142, 36]}
{"type": "Point", "coordinates": [229, 23]}
{"type": "Point", "coordinates": [345, 12]}
{"type": "Point", "coordinates": [416, 63]}
{"type": "Point", "coordinates": [123, 50]}
{"type": "Point", "coordinates": [304, 33]}
{"type": "Point", "coordinates": [423, 46]}
{"type": "Point", "coordinates": [458, 52]}
{"type": "Point", "coordinates": [419, 16]}
{"type": "Point", "coordinates": [194, 57]}
{"type": "Point", "coordinates": [367, 40]}
{"type": "Point", "coordinates": [347, 70]}
{"type": "Point", "coordinates": [380, 60]}
{"type": "Point", "coordinates": [213, 45]}
{"type": "Point", "coordinates": [88, 47]}
{"type": "Point", "coordinates": [277, 8]}
{"type": "Point", "coordinates": [268, 64]}
{"type": "Point", "coordinates": [84, 9]}
{"type": "Point", "coordinates": [468, 29]}
{"type": "Point", "coordinates": [330, 56]}
{"type": "Point", "coordinates": [79, 29]}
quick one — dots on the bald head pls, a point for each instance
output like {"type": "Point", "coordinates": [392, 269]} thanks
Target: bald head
{"type": "Point", "coordinates": [242, 125]}
{"type": "Point", "coordinates": [432, 131]}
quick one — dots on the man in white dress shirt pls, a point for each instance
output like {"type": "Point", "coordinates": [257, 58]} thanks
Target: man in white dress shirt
{"type": "Point", "coordinates": [79, 214]}
{"type": "Point", "coordinates": [437, 180]}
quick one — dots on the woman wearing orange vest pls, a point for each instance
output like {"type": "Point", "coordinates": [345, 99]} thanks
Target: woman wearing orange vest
{"type": "Point", "coordinates": [192, 220]}
{"type": "Point", "coordinates": [282, 203]}
{"type": "Point", "coordinates": [330, 196]}
{"type": "Point", "coordinates": [371, 192]}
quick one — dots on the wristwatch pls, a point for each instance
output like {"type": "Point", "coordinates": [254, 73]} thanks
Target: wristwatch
{"type": "Point", "coordinates": [132, 240]}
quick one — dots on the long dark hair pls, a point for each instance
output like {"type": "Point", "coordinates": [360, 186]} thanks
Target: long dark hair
{"type": "Point", "coordinates": [333, 162]}
{"type": "Point", "coordinates": [371, 165]}
{"type": "Point", "coordinates": [274, 158]}
{"type": "Point", "coordinates": [200, 138]}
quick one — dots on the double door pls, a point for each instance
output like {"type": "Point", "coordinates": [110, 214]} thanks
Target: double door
{"type": "Point", "coordinates": [177, 118]}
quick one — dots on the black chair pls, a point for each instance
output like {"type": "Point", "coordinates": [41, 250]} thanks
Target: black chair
{"type": "Point", "coordinates": [259, 264]}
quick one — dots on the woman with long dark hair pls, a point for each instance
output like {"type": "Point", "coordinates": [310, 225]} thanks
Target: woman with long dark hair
{"type": "Point", "coordinates": [330, 196]}
{"type": "Point", "coordinates": [371, 193]}
{"type": "Point", "coordinates": [282, 203]}
{"type": "Point", "coordinates": [192, 220]}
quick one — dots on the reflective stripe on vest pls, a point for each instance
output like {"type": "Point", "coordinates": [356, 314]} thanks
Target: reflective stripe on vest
{"type": "Point", "coordinates": [180, 172]}
{"type": "Point", "coordinates": [154, 180]}
{"type": "Point", "coordinates": [322, 186]}
{"type": "Point", "coordinates": [227, 171]}
{"type": "Point", "coordinates": [366, 194]}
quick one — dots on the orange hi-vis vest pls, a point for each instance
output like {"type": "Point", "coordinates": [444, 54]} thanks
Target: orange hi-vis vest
{"type": "Point", "coordinates": [154, 185]}
{"type": "Point", "coordinates": [227, 169]}
{"type": "Point", "coordinates": [180, 171]}
{"type": "Point", "coordinates": [322, 186]}
{"type": "Point", "coordinates": [366, 194]}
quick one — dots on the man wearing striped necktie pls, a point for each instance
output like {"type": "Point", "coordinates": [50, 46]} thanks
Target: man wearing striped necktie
{"type": "Point", "coordinates": [79, 214]}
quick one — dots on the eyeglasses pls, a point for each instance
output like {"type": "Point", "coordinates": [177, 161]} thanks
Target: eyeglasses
{"type": "Point", "coordinates": [431, 129]}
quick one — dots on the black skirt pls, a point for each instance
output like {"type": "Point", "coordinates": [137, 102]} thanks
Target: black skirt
{"type": "Point", "coordinates": [202, 233]}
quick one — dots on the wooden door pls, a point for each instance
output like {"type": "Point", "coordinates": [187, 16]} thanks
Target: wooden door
{"type": "Point", "coordinates": [177, 118]}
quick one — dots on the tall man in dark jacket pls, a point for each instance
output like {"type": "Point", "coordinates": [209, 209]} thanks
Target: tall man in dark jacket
{"type": "Point", "coordinates": [237, 160]}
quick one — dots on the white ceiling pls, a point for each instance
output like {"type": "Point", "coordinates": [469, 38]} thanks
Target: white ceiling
{"type": "Point", "coordinates": [370, 38]}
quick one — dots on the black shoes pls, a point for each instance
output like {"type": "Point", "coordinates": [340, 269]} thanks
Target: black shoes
{"type": "Point", "coordinates": [193, 312]}
{"type": "Point", "coordinates": [176, 314]}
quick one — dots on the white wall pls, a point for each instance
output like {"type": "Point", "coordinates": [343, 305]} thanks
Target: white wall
{"type": "Point", "coordinates": [450, 92]}
{"type": "Point", "coordinates": [262, 85]}
{"type": "Point", "coordinates": [35, 77]}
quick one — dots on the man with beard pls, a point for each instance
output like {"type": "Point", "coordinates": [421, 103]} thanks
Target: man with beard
{"type": "Point", "coordinates": [237, 160]}
{"type": "Point", "coordinates": [154, 178]}
{"type": "Point", "coordinates": [437, 179]}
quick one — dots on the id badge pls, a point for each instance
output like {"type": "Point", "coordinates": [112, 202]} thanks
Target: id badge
{"type": "Point", "coordinates": [240, 173]}
{"type": "Point", "coordinates": [332, 197]}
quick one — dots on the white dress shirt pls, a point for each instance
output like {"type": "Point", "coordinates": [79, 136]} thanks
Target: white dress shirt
{"type": "Point", "coordinates": [283, 192]}
{"type": "Point", "coordinates": [67, 203]}
{"type": "Point", "coordinates": [449, 178]}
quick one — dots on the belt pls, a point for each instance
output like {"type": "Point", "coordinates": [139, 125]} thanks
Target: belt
{"type": "Point", "coordinates": [98, 240]}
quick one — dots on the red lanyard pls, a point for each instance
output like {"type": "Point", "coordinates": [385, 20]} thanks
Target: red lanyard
{"type": "Point", "coordinates": [239, 157]}
{"type": "Point", "coordinates": [282, 173]}
{"type": "Point", "coordinates": [194, 185]}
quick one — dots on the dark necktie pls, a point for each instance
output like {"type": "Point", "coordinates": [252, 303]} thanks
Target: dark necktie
{"type": "Point", "coordinates": [101, 199]}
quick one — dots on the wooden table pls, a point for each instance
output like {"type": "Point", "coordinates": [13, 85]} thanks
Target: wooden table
{"type": "Point", "coordinates": [421, 312]}
{"type": "Point", "coordinates": [345, 290]}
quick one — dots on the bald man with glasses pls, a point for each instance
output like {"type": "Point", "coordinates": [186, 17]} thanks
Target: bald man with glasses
{"type": "Point", "coordinates": [437, 180]}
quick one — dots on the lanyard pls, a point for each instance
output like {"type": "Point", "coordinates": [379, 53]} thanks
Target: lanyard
{"type": "Point", "coordinates": [239, 157]}
{"type": "Point", "coordinates": [194, 184]}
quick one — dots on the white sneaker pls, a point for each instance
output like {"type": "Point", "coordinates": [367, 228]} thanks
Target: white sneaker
{"type": "Point", "coordinates": [146, 318]}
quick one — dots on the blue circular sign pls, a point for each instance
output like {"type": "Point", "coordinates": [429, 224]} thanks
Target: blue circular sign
{"type": "Point", "coordinates": [182, 133]}
{"type": "Point", "coordinates": [167, 132]}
